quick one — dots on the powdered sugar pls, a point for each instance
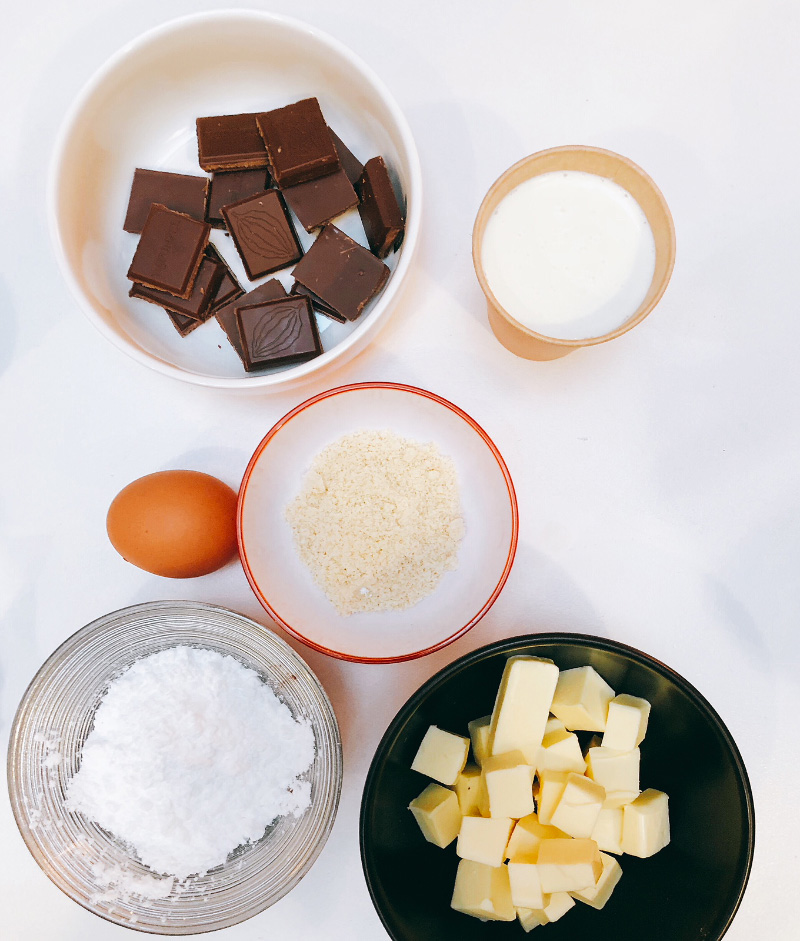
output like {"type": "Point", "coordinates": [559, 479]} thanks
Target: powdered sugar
{"type": "Point", "coordinates": [191, 754]}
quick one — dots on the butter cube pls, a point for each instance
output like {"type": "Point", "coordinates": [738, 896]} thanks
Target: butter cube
{"type": "Point", "coordinates": [479, 736]}
{"type": "Point", "coordinates": [528, 833]}
{"type": "Point", "coordinates": [599, 894]}
{"type": "Point", "coordinates": [568, 865]}
{"type": "Point", "coordinates": [548, 794]}
{"type": "Point", "coordinates": [615, 770]}
{"type": "Point", "coordinates": [437, 813]}
{"type": "Point", "coordinates": [581, 699]}
{"type": "Point", "coordinates": [560, 751]}
{"type": "Point", "coordinates": [441, 755]}
{"type": "Point", "coordinates": [626, 725]}
{"type": "Point", "coordinates": [526, 886]}
{"type": "Point", "coordinates": [645, 824]}
{"type": "Point", "coordinates": [484, 839]}
{"type": "Point", "coordinates": [531, 918]}
{"type": "Point", "coordinates": [522, 706]}
{"type": "Point", "coordinates": [578, 807]}
{"type": "Point", "coordinates": [469, 791]}
{"type": "Point", "coordinates": [607, 831]}
{"type": "Point", "coordinates": [483, 892]}
{"type": "Point", "coordinates": [509, 784]}
{"type": "Point", "coordinates": [553, 725]}
{"type": "Point", "coordinates": [557, 905]}
{"type": "Point", "coordinates": [620, 798]}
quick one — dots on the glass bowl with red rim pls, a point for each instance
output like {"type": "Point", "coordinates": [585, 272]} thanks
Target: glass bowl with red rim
{"type": "Point", "coordinates": [284, 585]}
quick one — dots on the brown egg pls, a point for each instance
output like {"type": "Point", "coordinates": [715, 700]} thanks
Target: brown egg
{"type": "Point", "coordinates": [175, 523]}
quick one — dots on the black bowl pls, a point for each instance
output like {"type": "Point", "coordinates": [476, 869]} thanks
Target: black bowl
{"type": "Point", "coordinates": [690, 891]}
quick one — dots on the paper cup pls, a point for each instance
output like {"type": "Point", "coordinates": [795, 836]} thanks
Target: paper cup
{"type": "Point", "coordinates": [521, 339]}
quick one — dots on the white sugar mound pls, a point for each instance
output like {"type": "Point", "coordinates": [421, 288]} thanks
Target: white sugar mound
{"type": "Point", "coordinates": [378, 521]}
{"type": "Point", "coordinates": [191, 754]}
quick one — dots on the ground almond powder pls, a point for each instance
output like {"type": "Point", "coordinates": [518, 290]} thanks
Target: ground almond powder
{"type": "Point", "coordinates": [378, 521]}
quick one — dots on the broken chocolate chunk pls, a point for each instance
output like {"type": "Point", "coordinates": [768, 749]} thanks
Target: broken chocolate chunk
{"type": "Point", "coordinates": [277, 332]}
{"type": "Point", "coordinates": [263, 233]}
{"type": "Point", "coordinates": [232, 187]}
{"type": "Point", "coordinates": [344, 274]}
{"type": "Point", "coordinates": [298, 142]}
{"type": "Point", "coordinates": [318, 201]}
{"type": "Point", "coordinates": [317, 303]}
{"type": "Point", "coordinates": [170, 251]}
{"type": "Point", "coordinates": [351, 165]}
{"type": "Point", "coordinates": [230, 142]}
{"type": "Point", "coordinates": [379, 209]}
{"type": "Point", "coordinates": [229, 288]}
{"type": "Point", "coordinates": [177, 191]}
{"type": "Point", "coordinates": [226, 315]}
{"type": "Point", "coordinates": [197, 305]}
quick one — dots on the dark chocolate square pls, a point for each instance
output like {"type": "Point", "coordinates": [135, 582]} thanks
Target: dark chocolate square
{"type": "Point", "coordinates": [169, 252]}
{"type": "Point", "coordinates": [351, 165]}
{"type": "Point", "coordinates": [318, 201]}
{"type": "Point", "coordinates": [317, 303]}
{"type": "Point", "coordinates": [198, 304]}
{"type": "Point", "coordinates": [226, 315]}
{"type": "Point", "coordinates": [232, 187]}
{"type": "Point", "coordinates": [184, 325]}
{"type": "Point", "coordinates": [379, 208]}
{"type": "Point", "coordinates": [230, 142]}
{"type": "Point", "coordinates": [177, 191]}
{"type": "Point", "coordinates": [263, 233]}
{"type": "Point", "coordinates": [299, 144]}
{"type": "Point", "coordinates": [278, 332]}
{"type": "Point", "coordinates": [344, 274]}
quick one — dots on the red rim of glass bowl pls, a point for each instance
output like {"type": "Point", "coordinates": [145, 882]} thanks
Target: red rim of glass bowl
{"type": "Point", "coordinates": [512, 496]}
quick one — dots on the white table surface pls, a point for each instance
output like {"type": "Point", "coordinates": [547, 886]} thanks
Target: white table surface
{"type": "Point", "coordinates": [658, 475]}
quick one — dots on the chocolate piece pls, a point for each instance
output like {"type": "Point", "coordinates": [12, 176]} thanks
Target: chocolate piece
{"type": "Point", "coordinates": [169, 252]}
{"type": "Point", "coordinates": [176, 191]}
{"type": "Point", "coordinates": [318, 201]}
{"type": "Point", "coordinates": [198, 305]}
{"type": "Point", "coordinates": [230, 142]}
{"type": "Point", "coordinates": [341, 272]}
{"type": "Point", "coordinates": [277, 332]}
{"type": "Point", "coordinates": [226, 315]}
{"type": "Point", "coordinates": [229, 288]}
{"type": "Point", "coordinates": [379, 209]}
{"type": "Point", "coordinates": [263, 233]}
{"type": "Point", "coordinates": [351, 165]}
{"type": "Point", "coordinates": [317, 303]}
{"type": "Point", "coordinates": [298, 142]}
{"type": "Point", "coordinates": [233, 187]}
{"type": "Point", "coordinates": [184, 325]}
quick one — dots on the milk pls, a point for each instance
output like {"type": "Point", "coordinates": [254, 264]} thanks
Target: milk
{"type": "Point", "coordinates": [569, 254]}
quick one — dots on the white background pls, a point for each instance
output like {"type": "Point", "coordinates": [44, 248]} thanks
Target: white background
{"type": "Point", "coordinates": [658, 475]}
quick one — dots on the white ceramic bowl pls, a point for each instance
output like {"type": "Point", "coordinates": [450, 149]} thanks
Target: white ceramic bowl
{"type": "Point", "coordinates": [139, 110]}
{"type": "Point", "coordinates": [284, 585]}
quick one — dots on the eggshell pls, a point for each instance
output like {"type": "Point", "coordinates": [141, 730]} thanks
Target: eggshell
{"type": "Point", "coordinates": [177, 523]}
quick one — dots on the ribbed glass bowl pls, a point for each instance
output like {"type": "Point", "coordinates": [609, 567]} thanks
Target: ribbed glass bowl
{"type": "Point", "coordinates": [55, 717]}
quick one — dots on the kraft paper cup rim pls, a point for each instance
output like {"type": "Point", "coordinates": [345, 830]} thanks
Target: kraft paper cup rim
{"type": "Point", "coordinates": [529, 343]}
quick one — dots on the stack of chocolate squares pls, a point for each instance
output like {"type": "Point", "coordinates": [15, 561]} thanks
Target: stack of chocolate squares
{"type": "Point", "coordinates": [260, 164]}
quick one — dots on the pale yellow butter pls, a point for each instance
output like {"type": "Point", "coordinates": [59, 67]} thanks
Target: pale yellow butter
{"type": "Point", "coordinates": [600, 893]}
{"type": "Point", "coordinates": [581, 699]}
{"type": "Point", "coordinates": [441, 755]}
{"type": "Point", "coordinates": [578, 807]}
{"type": "Point", "coordinates": [531, 918]}
{"type": "Point", "coordinates": [522, 706]}
{"type": "Point", "coordinates": [527, 834]}
{"type": "Point", "coordinates": [548, 792]}
{"type": "Point", "coordinates": [526, 885]}
{"type": "Point", "coordinates": [645, 824]}
{"type": "Point", "coordinates": [483, 892]}
{"type": "Point", "coordinates": [560, 751]}
{"type": "Point", "coordinates": [568, 865]}
{"type": "Point", "coordinates": [626, 725]}
{"type": "Point", "coordinates": [615, 770]}
{"type": "Point", "coordinates": [437, 813]}
{"type": "Point", "coordinates": [509, 784]}
{"type": "Point", "coordinates": [557, 905]}
{"type": "Point", "coordinates": [484, 839]}
{"type": "Point", "coordinates": [479, 736]}
{"type": "Point", "coordinates": [607, 831]}
{"type": "Point", "coordinates": [469, 791]}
